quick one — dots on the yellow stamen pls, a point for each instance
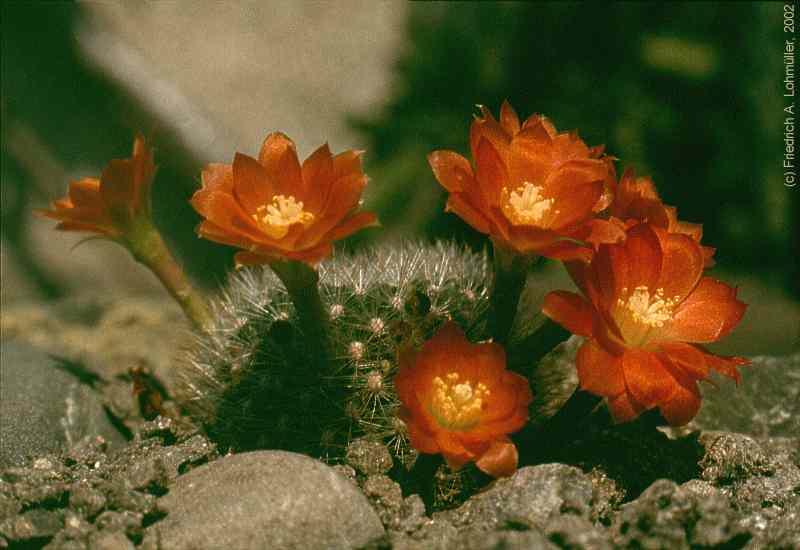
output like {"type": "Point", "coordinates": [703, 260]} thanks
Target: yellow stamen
{"type": "Point", "coordinates": [525, 205]}
{"type": "Point", "coordinates": [458, 406]}
{"type": "Point", "coordinates": [644, 312]}
{"type": "Point", "coordinates": [274, 219]}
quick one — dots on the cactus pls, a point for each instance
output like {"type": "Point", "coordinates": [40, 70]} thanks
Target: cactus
{"type": "Point", "coordinates": [250, 379]}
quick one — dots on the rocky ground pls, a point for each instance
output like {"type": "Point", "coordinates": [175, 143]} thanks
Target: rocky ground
{"type": "Point", "coordinates": [81, 468]}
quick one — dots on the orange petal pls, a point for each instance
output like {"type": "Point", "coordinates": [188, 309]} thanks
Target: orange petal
{"type": "Point", "coordinates": [500, 460]}
{"type": "Point", "coordinates": [643, 256]}
{"type": "Point", "coordinates": [351, 225]}
{"type": "Point", "coordinates": [457, 204]}
{"type": "Point", "coordinates": [116, 185]}
{"type": "Point", "coordinates": [451, 170]}
{"type": "Point", "coordinates": [710, 312]}
{"type": "Point", "coordinates": [279, 156]}
{"type": "Point", "coordinates": [687, 357]}
{"type": "Point", "coordinates": [343, 199]}
{"type": "Point", "coordinates": [489, 129]}
{"type": "Point", "coordinates": [217, 177]}
{"type": "Point", "coordinates": [223, 210]}
{"type": "Point", "coordinates": [575, 189]}
{"type": "Point", "coordinates": [726, 365]}
{"type": "Point", "coordinates": [604, 232]}
{"type": "Point", "coordinates": [490, 173]}
{"type": "Point", "coordinates": [646, 378]}
{"type": "Point", "coordinates": [599, 372]}
{"type": "Point", "coordinates": [251, 184]}
{"type": "Point", "coordinates": [347, 163]}
{"type": "Point", "coordinates": [566, 251]}
{"type": "Point", "coordinates": [509, 119]}
{"type": "Point", "coordinates": [682, 406]}
{"type": "Point", "coordinates": [682, 265]}
{"type": "Point", "coordinates": [624, 408]}
{"type": "Point", "coordinates": [318, 177]}
{"type": "Point", "coordinates": [571, 311]}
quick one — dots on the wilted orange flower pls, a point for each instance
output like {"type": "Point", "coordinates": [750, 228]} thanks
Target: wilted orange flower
{"type": "Point", "coordinates": [108, 205]}
{"type": "Point", "coordinates": [459, 400]}
{"type": "Point", "coordinates": [274, 208]}
{"type": "Point", "coordinates": [647, 305]}
{"type": "Point", "coordinates": [533, 190]}
{"type": "Point", "coordinates": [636, 200]}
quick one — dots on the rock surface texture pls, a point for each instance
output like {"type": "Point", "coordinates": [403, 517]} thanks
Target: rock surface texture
{"type": "Point", "coordinates": [729, 480]}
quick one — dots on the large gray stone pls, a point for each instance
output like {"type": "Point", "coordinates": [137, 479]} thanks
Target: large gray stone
{"type": "Point", "coordinates": [264, 499]}
{"type": "Point", "coordinates": [529, 499]}
{"type": "Point", "coordinates": [765, 404]}
{"type": "Point", "coordinates": [43, 408]}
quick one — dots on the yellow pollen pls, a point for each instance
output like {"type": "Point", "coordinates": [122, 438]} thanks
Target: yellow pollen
{"type": "Point", "coordinates": [525, 205]}
{"type": "Point", "coordinates": [274, 219]}
{"type": "Point", "coordinates": [458, 405]}
{"type": "Point", "coordinates": [653, 310]}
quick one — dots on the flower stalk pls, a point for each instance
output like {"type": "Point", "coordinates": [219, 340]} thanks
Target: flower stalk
{"type": "Point", "coordinates": [148, 248]}
{"type": "Point", "coordinates": [510, 273]}
{"type": "Point", "coordinates": [301, 282]}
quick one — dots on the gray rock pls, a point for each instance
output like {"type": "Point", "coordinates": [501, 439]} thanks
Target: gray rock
{"type": "Point", "coordinates": [766, 403]}
{"type": "Point", "coordinates": [504, 540]}
{"type": "Point", "coordinates": [731, 456]}
{"type": "Point", "coordinates": [106, 540]}
{"type": "Point", "coordinates": [369, 457]}
{"type": "Point", "coordinates": [570, 531]}
{"type": "Point", "coordinates": [669, 516]}
{"type": "Point", "coordinates": [529, 499]}
{"type": "Point", "coordinates": [265, 499]}
{"type": "Point", "coordinates": [43, 408]}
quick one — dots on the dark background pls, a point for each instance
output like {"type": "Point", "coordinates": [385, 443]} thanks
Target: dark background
{"type": "Point", "coordinates": [689, 93]}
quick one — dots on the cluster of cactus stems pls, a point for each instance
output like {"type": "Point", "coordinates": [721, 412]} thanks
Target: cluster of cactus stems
{"type": "Point", "coordinates": [427, 348]}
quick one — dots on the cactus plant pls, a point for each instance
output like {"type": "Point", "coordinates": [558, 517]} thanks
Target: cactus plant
{"type": "Point", "coordinates": [252, 378]}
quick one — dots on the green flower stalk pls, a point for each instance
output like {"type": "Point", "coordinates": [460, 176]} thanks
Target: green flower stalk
{"type": "Point", "coordinates": [117, 206]}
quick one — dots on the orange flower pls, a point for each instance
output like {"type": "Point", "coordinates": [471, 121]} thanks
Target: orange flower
{"type": "Point", "coordinates": [646, 307]}
{"type": "Point", "coordinates": [459, 400]}
{"type": "Point", "coordinates": [108, 205]}
{"type": "Point", "coordinates": [533, 190]}
{"type": "Point", "coordinates": [275, 209]}
{"type": "Point", "coordinates": [637, 201]}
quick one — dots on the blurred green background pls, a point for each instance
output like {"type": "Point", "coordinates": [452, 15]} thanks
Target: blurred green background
{"type": "Point", "coordinates": [689, 93]}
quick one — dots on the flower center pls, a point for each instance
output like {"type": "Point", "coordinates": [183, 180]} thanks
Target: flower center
{"type": "Point", "coordinates": [525, 205]}
{"type": "Point", "coordinates": [274, 219]}
{"type": "Point", "coordinates": [458, 405]}
{"type": "Point", "coordinates": [644, 312]}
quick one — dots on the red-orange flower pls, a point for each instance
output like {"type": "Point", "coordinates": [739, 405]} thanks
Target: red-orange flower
{"type": "Point", "coordinates": [533, 190]}
{"type": "Point", "coordinates": [459, 400]}
{"type": "Point", "coordinates": [636, 200]}
{"type": "Point", "coordinates": [646, 307]}
{"type": "Point", "coordinates": [108, 205]}
{"type": "Point", "coordinates": [276, 209]}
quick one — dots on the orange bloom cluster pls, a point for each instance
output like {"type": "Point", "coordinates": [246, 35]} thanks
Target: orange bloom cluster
{"type": "Point", "coordinates": [108, 205]}
{"type": "Point", "coordinates": [459, 400]}
{"type": "Point", "coordinates": [276, 209]}
{"type": "Point", "coordinates": [636, 200]}
{"type": "Point", "coordinates": [533, 190]}
{"type": "Point", "coordinates": [644, 309]}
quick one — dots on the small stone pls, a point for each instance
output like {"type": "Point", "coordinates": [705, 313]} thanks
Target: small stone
{"type": "Point", "coordinates": [265, 499]}
{"type": "Point", "coordinates": [86, 500]}
{"type": "Point", "coordinates": [570, 531]}
{"type": "Point", "coordinates": [107, 540]}
{"type": "Point", "coordinates": [529, 499]}
{"type": "Point", "coordinates": [36, 523]}
{"type": "Point", "coordinates": [667, 516]}
{"type": "Point", "coordinates": [369, 457]}
{"type": "Point", "coordinates": [730, 456]}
